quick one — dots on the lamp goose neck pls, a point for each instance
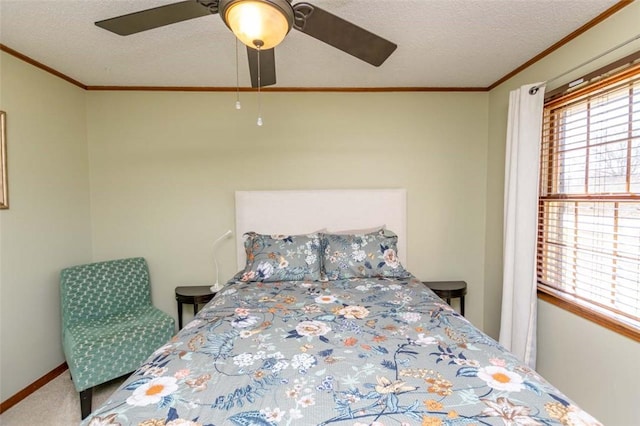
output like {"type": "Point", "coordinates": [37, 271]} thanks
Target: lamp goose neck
{"type": "Point", "coordinates": [216, 286]}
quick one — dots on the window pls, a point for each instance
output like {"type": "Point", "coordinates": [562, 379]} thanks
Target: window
{"type": "Point", "coordinates": [589, 205]}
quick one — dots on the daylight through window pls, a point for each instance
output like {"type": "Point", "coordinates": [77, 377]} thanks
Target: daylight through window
{"type": "Point", "coordinates": [589, 204]}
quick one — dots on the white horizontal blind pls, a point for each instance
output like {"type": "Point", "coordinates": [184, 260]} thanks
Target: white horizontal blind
{"type": "Point", "coordinates": [589, 204]}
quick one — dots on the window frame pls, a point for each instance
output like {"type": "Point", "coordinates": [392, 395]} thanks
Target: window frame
{"type": "Point", "coordinates": [589, 311]}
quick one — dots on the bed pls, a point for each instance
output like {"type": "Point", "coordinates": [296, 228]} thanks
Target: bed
{"type": "Point", "coordinates": [331, 328]}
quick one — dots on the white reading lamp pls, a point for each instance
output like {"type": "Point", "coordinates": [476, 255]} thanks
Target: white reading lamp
{"type": "Point", "coordinates": [217, 286]}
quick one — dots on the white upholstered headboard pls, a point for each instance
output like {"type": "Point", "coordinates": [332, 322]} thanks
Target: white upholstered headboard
{"type": "Point", "coordinates": [303, 212]}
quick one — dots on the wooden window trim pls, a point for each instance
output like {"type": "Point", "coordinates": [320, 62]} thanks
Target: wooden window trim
{"type": "Point", "coordinates": [588, 312]}
{"type": "Point", "coordinates": [590, 77]}
{"type": "Point", "coordinates": [608, 319]}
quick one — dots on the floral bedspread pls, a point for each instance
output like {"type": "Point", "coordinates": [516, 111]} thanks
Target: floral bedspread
{"type": "Point", "coordinates": [350, 352]}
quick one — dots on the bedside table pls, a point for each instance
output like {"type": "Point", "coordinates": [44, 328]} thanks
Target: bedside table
{"type": "Point", "coordinates": [448, 290]}
{"type": "Point", "coordinates": [194, 295]}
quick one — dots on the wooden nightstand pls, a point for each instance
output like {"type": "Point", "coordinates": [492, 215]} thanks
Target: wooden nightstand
{"type": "Point", "coordinates": [448, 290]}
{"type": "Point", "coordinates": [194, 295]}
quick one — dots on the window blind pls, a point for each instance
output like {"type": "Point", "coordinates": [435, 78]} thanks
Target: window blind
{"type": "Point", "coordinates": [589, 201]}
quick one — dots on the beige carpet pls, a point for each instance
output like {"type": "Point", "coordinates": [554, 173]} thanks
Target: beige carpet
{"type": "Point", "coordinates": [55, 404]}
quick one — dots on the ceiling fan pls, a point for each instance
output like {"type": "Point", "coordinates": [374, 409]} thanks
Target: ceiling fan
{"type": "Point", "coordinates": [261, 25]}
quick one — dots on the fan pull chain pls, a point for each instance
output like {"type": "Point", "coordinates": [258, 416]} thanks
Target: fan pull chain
{"type": "Point", "coordinates": [259, 123]}
{"type": "Point", "coordinates": [238, 106]}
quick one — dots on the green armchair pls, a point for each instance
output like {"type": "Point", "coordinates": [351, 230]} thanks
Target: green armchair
{"type": "Point", "coordinates": [109, 326]}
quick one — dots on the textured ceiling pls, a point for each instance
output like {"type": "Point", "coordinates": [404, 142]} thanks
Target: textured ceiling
{"type": "Point", "coordinates": [441, 43]}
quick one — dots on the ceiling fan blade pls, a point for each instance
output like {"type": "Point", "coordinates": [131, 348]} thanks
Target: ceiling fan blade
{"type": "Point", "coordinates": [158, 17]}
{"type": "Point", "coordinates": [341, 34]}
{"type": "Point", "coordinates": [267, 67]}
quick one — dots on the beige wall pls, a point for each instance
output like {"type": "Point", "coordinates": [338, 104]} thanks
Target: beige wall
{"type": "Point", "coordinates": [164, 168]}
{"type": "Point", "coordinates": [595, 367]}
{"type": "Point", "coordinates": [47, 226]}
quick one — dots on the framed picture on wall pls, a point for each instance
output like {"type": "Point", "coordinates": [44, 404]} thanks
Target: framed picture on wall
{"type": "Point", "coordinates": [4, 191]}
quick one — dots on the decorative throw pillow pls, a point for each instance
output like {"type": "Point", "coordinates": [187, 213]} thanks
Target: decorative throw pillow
{"type": "Point", "coordinates": [361, 256]}
{"type": "Point", "coordinates": [281, 257]}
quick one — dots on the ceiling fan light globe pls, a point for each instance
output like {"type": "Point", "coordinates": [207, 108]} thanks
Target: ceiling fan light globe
{"type": "Point", "coordinates": [264, 21]}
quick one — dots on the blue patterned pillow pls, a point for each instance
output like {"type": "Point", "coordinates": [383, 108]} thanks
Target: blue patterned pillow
{"type": "Point", "coordinates": [361, 256]}
{"type": "Point", "coordinates": [281, 257]}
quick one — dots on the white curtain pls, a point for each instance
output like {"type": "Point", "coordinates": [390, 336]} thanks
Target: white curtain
{"type": "Point", "coordinates": [524, 131]}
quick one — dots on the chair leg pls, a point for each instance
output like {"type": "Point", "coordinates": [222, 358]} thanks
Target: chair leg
{"type": "Point", "coordinates": [85, 402]}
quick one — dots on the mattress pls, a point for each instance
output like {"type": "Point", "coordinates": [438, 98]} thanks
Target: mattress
{"type": "Point", "coordinates": [357, 351]}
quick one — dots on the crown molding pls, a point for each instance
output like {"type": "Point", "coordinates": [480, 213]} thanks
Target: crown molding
{"type": "Point", "coordinates": [598, 19]}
